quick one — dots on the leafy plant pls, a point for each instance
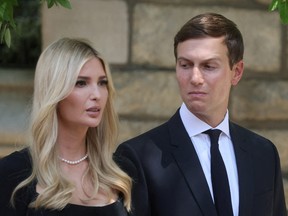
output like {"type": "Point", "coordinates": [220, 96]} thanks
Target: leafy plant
{"type": "Point", "coordinates": [282, 7]}
{"type": "Point", "coordinates": [7, 23]}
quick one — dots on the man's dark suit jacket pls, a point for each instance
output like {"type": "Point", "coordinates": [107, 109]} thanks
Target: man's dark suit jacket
{"type": "Point", "coordinates": [169, 181]}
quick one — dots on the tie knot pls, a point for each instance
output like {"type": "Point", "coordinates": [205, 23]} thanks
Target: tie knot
{"type": "Point", "coordinates": [213, 134]}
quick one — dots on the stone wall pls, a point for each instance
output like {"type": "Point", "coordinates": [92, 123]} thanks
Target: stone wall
{"type": "Point", "coordinates": [137, 39]}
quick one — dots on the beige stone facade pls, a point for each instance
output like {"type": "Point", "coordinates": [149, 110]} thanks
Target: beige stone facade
{"type": "Point", "coordinates": [137, 39]}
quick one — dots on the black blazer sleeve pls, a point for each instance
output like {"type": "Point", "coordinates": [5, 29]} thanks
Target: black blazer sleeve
{"type": "Point", "coordinates": [129, 162]}
{"type": "Point", "coordinates": [279, 205]}
{"type": "Point", "coordinates": [14, 168]}
{"type": "Point", "coordinates": [259, 173]}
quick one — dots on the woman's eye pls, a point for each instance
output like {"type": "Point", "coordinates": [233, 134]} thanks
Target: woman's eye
{"type": "Point", "coordinates": [81, 83]}
{"type": "Point", "coordinates": [103, 82]}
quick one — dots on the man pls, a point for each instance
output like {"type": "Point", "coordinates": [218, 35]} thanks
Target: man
{"type": "Point", "coordinates": [173, 166]}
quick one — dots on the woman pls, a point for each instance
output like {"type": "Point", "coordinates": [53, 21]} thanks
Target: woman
{"type": "Point", "coordinates": [73, 136]}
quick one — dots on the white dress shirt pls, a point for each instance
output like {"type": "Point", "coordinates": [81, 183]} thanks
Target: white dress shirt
{"type": "Point", "coordinates": [195, 128]}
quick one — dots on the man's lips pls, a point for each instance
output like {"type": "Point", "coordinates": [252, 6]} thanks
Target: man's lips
{"type": "Point", "coordinates": [197, 93]}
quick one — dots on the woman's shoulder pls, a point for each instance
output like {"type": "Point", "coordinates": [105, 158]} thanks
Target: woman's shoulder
{"type": "Point", "coordinates": [16, 165]}
{"type": "Point", "coordinates": [14, 168]}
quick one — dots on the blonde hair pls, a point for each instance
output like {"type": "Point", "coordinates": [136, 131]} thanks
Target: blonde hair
{"type": "Point", "coordinates": [56, 74]}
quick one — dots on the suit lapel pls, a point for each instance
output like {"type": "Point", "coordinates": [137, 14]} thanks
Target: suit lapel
{"type": "Point", "coordinates": [186, 157]}
{"type": "Point", "coordinates": [244, 167]}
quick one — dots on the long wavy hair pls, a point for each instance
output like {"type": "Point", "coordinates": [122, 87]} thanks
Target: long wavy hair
{"type": "Point", "coordinates": [56, 74]}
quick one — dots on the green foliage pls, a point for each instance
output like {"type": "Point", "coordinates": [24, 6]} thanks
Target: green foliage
{"type": "Point", "coordinates": [7, 23]}
{"type": "Point", "coordinates": [7, 20]}
{"type": "Point", "coordinates": [64, 3]}
{"type": "Point", "coordinates": [282, 7]}
{"type": "Point", "coordinates": [26, 38]}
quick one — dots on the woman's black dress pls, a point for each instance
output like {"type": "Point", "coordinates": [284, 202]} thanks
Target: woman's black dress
{"type": "Point", "coordinates": [17, 167]}
{"type": "Point", "coordinates": [114, 209]}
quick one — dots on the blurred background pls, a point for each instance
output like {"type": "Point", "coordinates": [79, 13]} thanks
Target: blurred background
{"type": "Point", "coordinates": [136, 37]}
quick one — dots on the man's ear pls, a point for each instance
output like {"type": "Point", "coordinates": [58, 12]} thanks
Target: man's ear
{"type": "Point", "coordinates": [238, 69]}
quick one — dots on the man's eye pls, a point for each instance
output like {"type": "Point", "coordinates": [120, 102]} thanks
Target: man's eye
{"type": "Point", "coordinates": [209, 67]}
{"type": "Point", "coordinates": [81, 83]}
{"type": "Point", "coordinates": [184, 65]}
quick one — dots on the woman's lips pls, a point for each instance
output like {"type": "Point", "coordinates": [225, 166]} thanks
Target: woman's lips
{"type": "Point", "coordinates": [93, 111]}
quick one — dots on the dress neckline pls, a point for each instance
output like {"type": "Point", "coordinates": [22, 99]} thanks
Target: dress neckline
{"type": "Point", "coordinates": [119, 199]}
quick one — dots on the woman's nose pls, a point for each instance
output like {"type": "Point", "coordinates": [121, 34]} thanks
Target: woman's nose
{"type": "Point", "coordinates": [95, 93]}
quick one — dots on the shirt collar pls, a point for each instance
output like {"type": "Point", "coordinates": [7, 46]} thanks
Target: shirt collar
{"type": "Point", "coordinates": [195, 126]}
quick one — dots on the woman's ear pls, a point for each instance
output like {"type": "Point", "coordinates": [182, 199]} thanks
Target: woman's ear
{"type": "Point", "coordinates": [238, 69]}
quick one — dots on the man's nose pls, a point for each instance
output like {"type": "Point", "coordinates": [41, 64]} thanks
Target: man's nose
{"type": "Point", "coordinates": [196, 76]}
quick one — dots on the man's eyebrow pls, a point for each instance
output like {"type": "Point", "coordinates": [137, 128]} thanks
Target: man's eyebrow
{"type": "Point", "coordinates": [204, 60]}
{"type": "Point", "coordinates": [182, 58]}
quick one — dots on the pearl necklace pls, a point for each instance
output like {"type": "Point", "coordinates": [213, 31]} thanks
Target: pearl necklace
{"type": "Point", "coordinates": [73, 162]}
